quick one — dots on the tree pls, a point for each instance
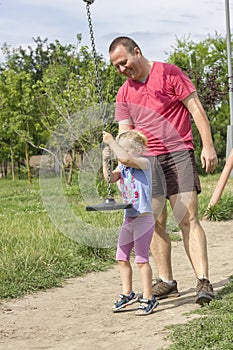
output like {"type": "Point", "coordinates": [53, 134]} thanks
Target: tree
{"type": "Point", "coordinates": [52, 90]}
{"type": "Point", "coordinates": [70, 101]}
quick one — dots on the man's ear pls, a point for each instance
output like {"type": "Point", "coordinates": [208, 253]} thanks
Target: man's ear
{"type": "Point", "coordinates": [137, 52]}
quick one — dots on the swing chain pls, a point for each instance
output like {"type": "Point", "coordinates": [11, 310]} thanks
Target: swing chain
{"type": "Point", "coordinates": [89, 1]}
{"type": "Point", "coordinates": [99, 86]}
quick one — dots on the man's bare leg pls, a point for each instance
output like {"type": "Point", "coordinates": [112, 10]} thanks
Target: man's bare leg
{"type": "Point", "coordinates": [161, 243]}
{"type": "Point", "coordinates": [185, 209]}
{"type": "Point", "coordinates": [161, 251]}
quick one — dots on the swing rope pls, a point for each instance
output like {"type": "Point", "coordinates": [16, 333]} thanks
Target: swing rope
{"type": "Point", "coordinates": [98, 81]}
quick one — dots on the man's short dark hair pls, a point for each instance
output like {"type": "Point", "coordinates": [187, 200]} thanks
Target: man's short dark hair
{"type": "Point", "coordinates": [125, 41]}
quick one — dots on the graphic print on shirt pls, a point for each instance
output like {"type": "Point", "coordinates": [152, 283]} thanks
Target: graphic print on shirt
{"type": "Point", "coordinates": [129, 190]}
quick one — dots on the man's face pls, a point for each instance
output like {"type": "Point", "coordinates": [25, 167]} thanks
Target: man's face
{"type": "Point", "coordinates": [126, 63]}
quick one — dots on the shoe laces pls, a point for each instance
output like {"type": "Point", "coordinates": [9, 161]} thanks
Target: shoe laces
{"type": "Point", "coordinates": [204, 284]}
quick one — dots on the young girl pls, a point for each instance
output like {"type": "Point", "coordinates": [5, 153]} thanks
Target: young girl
{"type": "Point", "coordinates": [134, 176]}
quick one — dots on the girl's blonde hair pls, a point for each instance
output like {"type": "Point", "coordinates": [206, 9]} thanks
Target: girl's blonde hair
{"type": "Point", "coordinates": [137, 139]}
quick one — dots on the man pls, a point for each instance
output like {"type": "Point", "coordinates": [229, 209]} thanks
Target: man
{"type": "Point", "coordinates": [158, 98]}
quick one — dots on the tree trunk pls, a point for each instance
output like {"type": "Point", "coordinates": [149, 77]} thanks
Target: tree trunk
{"type": "Point", "coordinates": [70, 173]}
{"type": "Point", "coordinates": [12, 164]}
{"type": "Point", "coordinates": [5, 164]}
{"type": "Point", "coordinates": [28, 164]}
{"type": "Point", "coordinates": [19, 172]}
{"type": "Point", "coordinates": [1, 171]}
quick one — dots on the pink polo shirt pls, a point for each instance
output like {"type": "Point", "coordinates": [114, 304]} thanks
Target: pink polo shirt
{"type": "Point", "coordinates": [155, 108]}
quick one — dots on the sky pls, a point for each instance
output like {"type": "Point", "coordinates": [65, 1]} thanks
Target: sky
{"type": "Point", "coordinates": [153, 24]}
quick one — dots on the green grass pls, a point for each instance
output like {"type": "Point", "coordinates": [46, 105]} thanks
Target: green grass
{"type": "Point", "coordinates": [36, 255]}
{"type": "Point", "coordinates": [213, 330]}
{"type": "Point", "coordinates": [221, 211]}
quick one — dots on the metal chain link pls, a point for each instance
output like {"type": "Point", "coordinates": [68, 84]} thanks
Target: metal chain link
{"type": "Point", "coordinates": [99, 85]}
{"type": "Point", "coordinates": [89, 1]}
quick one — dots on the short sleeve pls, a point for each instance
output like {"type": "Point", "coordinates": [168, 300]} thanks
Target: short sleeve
{"type": "Point", "coordinates": [181, 83]}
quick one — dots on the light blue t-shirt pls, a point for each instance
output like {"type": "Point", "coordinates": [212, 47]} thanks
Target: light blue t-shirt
{"type": "Point", "coordinates": [136, 188]}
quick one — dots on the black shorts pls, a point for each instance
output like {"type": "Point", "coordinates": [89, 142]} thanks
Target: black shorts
{"type": "Point", "coordinates": [173, 173]}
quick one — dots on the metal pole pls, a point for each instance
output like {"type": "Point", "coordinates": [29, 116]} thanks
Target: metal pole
{"type": "Point", "coordinates": [230, 77]}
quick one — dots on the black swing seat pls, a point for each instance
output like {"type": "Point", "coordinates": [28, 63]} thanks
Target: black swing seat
{"type": "Point", "coordinates": [108, 204]}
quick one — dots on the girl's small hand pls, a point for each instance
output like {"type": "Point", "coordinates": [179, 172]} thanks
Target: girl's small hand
{"type": "Point", "coordinates": [106, 153]}
{"type": "Point", "coordinates": [107, 137]}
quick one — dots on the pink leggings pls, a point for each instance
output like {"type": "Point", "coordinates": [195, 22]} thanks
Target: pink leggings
{"type": "Point", "coordinates": [135, 232]}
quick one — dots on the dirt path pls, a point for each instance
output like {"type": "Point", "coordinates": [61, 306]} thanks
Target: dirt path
{"type": "Point", "coordinates": [79, 317]}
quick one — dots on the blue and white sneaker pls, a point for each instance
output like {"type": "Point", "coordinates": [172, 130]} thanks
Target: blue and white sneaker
{"type": "Point", "coordinates": [124, 300]}
{"type": "Point", "coordinates": [147, 306]}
